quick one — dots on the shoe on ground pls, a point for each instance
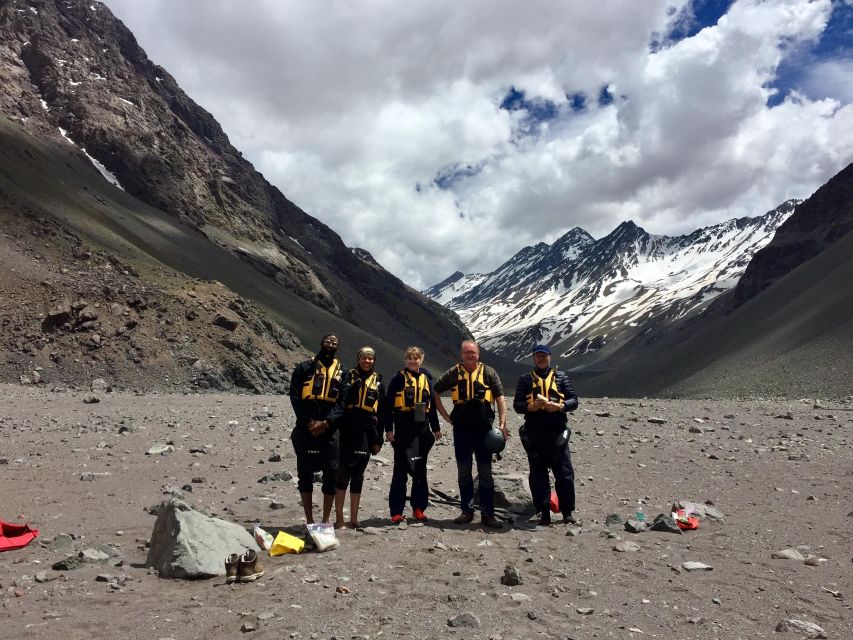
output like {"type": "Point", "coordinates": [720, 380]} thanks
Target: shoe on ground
{"type": "Point", "coordinates": [569, 519]}
{"type": "Point", "coordinates": [545, 519]}
{"type": "Point", "coordinates": [491, 522]}
{"type": "Point", "coordinates": [250, 568]}
{"type": "Point", "coordinates": [420, 516]}
{"type": "Point", "coordinates": [397, 518]}
{"type": "Point", "coordinates": [232, 564]}
{"type": "Point", "coordinates": [466, 517]}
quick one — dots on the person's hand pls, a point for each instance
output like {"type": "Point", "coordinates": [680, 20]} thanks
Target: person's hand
{"type": "Point", "coordinates": [317, 427]}
{"type": "Point", "coordinates": [553, 407]}
{"type": "Point", "coordinates": [375, 449]}
{"type": "Point", "coordinates": [505, 431]}
{"type": "Point", "coordinates": [437, 435]}
{"type": "Point", "coordinates": [389, 436]}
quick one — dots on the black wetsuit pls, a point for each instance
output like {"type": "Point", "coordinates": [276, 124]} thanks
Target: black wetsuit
{"type": "Point", "coordinates": [360, 431]}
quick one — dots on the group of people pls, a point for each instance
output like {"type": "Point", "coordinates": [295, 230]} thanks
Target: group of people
{"type": "Point", "coordinates": [342, 417]}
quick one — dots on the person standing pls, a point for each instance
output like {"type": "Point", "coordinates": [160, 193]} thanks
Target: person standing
{"type": "Point", "coordinates": [412, 428]}
{"type": "Point", "coordinates": [544, 397]}
{"type": "Point", "coordinates": [474, 387]}
{"type": "Point", "coordinates": [317, 391]}
{"type": "Point", "coordinates": [359, 429]}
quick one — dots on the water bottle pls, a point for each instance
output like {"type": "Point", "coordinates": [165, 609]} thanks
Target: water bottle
{"type": "Point", "coordinates": [639, 514]}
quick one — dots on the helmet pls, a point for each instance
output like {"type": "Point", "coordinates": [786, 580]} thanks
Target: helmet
{"type": "Point", "coordinates": [494, 441]}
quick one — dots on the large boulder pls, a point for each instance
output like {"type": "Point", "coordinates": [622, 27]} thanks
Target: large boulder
{"type": "Point", "coordinates": [512, 492]}
{"type": "Point", "coordinates": [189, 544]}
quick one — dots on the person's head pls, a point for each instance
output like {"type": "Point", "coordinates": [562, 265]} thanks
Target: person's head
{"type": "Point", "coordinates": [366, 358]}
{"type": "Point", "coordinates": [542, 356]}
{"type": "Point", "coordinates": [329, 345]}
{"type": "Point", "coordinates": [470, 354]}
{"type": "Point", "coordinates": [414, 357]}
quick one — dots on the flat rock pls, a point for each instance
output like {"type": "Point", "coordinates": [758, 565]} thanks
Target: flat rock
{"type": "Point", "coordinates": [807, 629]}
{"type": "Point", "coordinates": [788, 554]}
{"type": "Point", "coordinates": [511, 576]}
{"type": "Point", "coordinates": [626, 546]}
{"type": "Point", "coordinates": [695, 566]}
{"type": "Point", "coordinates": [635, 526]}
{"type": "Point", "coordinates": [159, 450]}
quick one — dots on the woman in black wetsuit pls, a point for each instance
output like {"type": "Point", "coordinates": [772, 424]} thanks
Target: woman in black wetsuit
{"type": "Point", "coordinates": [360, 433]}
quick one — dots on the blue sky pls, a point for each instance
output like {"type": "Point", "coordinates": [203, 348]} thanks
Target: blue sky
{"type": "Point", "coordinates": [465, 131]}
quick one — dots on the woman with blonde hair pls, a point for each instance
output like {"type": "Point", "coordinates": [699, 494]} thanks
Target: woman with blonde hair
{"type": "Point", "coordinates": [412, 427]}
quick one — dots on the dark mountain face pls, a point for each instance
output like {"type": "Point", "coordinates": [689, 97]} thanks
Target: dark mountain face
{"type": "Point", "coordinates": [69, 69]}
{"type": "Point", "coordinates": [815, 225]}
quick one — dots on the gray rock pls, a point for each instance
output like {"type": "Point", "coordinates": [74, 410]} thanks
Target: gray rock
{"type": "Point", "coordinates": [695, 566]}
{"type": "Point", "coordinates": [511, 576]}
{"type": "Point", "coordinates": [788, 554]}
{"type": "Point", "coordinates": [808, 629]}
{"type": "Point", "coordinates": [188, 544]}
{"type": "Point", "coordinates": [66, 564]}
{"type": "Point", "coordinates": [62, 543]}
{"type": "Point", "coordinates": [91, 399]}
{"type": "Point", "coordinates": [657, 420]}
{"type": "Point", "coordinates": [275, 477]}
{"type": "Point", "coordinates": [246, 627]}
{"type": "Point", "coordinates": [93, 556]}
{"type": "Point", "coordinates": [585, 611]}
{"type": "Point", "coordinates": [512, 492]}
{"type": "Point", "coordinates": [635, 526]}
{"type": "Point", "coordinates": [98, 384]}
{"type": "Point", "coordinates": [626, 546]}
{"type": "Point", "coordinates": [574, 532]}
{"type": "Point", "coordinates": [159, 450]}
{"type": "Point", "coordinates": [701, 510]}
{"type": "Point", "coordinates": [465, 620]}
{"type": "Point", "coordinates": [519, 597]}
{"type": "Point", "coordinates": [613, 519]}
{"type": "Point", "coordinates": [42, 577]}
{"type": "Point", "coordinates": [665, 523]}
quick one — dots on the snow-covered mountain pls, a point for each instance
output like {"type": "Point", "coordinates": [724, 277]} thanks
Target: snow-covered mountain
{"type": "Point", "coordinates": [579, 294]}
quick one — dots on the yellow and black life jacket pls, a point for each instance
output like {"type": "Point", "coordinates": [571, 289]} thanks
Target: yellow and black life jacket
{"type": "Point", "coordinates": [364, 393]}
{"type": "Point", "coordinates": [546, 387]}
{"type": "Point", "coordinates": [325, 383]}
{"type": "Point", "coordinates": [415, 389]}
{"type": "Point", "coordinates": [471, 386]}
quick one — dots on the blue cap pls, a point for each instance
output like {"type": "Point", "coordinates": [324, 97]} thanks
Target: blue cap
{"type": "Point", "coordinates": [542, 348]}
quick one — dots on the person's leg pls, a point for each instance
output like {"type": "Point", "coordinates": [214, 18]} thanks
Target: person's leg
{"type": "Point", "coordinates": [564, 479]}
{"type": "Point", "coordinates": [331, 461]}
{"type": "Point", "coordinates": [420, 484]}
{"type": "Point", "coordinates": [399, 479]}
{"type": "Point", "coordinates": [354, 502]}
{"type": "Point", "coordinates": [485, 481]}
{"type": "Point", "coordinates": [343, 480]}
{"type": "Point", "coordinates": [305, 478]}
{"type": "Point", "coordinates": [540, 482]}
{"type": "Point", "coordinates": [463, 449]}
{"type": "Point", "coordinates": [356, 485]}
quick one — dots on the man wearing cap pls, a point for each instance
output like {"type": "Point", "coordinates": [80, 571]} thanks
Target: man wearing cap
{"type": "Point", "coordinates": [317, 392]}
{"type": "Point", "coordinates": [544, 397]}
{"type": "Point", "coordinates": [474, 388]}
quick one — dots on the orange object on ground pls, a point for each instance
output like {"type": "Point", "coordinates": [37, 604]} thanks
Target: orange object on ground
{"type": "Point", "coordinates": [554, 502]}
{"type": "Point", "coordinates": [684, 521]}
{"type": "Point", "coordinates": [15, 536]}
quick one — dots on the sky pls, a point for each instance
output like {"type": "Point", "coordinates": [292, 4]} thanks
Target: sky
{"type": "Point", "coordinates": [446, 135]}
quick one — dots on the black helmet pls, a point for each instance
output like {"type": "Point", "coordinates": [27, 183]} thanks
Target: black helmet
{"type": "Point", "coordinates": [495, 441]}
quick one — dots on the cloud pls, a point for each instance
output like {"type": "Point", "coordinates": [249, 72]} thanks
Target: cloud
{"type": "Point", "coordinates": [446, 135]}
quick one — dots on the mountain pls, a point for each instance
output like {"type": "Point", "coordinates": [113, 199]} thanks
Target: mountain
{"type": "Point", "coordinates": [103, 145]}
{"type": "Point", "coordinates": [580, 294]}
{"type": "Point", "coordinates": [786, 332]}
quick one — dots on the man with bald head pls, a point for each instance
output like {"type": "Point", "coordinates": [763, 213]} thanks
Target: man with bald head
{"type": "Point", "coordinates": [476, 389]}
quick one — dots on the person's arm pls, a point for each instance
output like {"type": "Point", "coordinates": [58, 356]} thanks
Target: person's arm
{"type": "Point", "coordinates": [519, 402]}
{"type": "Point", "coordinates": [388, 416]}
{"type": "Point", "coordinates": [379, 426]}
{"type": "Point", "coordinates": [296, 382]}
{"type": "Point", "coordinates": [432, 416]}
{"type": "Point", "coordinates": [500, 401]}
{"type": "Point", "coordinates": [441, 385]}
{"type": "Point", "coordinates": [571, 402]}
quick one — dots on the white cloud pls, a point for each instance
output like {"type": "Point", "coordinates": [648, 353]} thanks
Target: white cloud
{"type": "Point", "coordinates": [347, 108]}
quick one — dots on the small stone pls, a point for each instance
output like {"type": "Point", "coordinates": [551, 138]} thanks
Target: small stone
{"type": "Point", "coordinates": [635, 526]}
{"type": "Point", "coordinates": [247, 627]}
{"type": "Point", "coordinates": [574, 532]}
{"type": "Point", "coordinates": [66, 564]}
{"type": "Point", "coordinates": [789, 554]}
{"type": "Point", "coordinates": [808, 629]}
{"type": "Point", "coordinates": [585, 611]}
{"type": "Point", "coordinates": [277, 505]}
{"type": "Point", "coordinates": [87, 477]}
{"type": "Point", "coordinates": [531, 615]}
{"type": "Point", "coordinates": [519, 597]}
{"type": "Point", "coordinates": [341, 589]}
{"type": "Point", "coordinates": [613, 519]}
{"type": "Point", "coordinates": [93, 556]}
{"type": "Point", "coordinates": [511, 576]}
{"type": "Point", "coordinates": [464, 620]}
{"type": "Point", "coordinates": [275, 457]}
{"type": "Point", "coordinates": [626, 546]}
{"type": "Point", "coordinates": [695, 566]}
{"type": "Point", "coordinates": [657, 420]}
{"type": "Point", "coordinates": [42, 577]}
{"type": "Point", "coordinates": [666, 523]}
{"type": "Point", "coordinates": [160, 450]}
{"type": "Point", "coordinates": [716, 601]}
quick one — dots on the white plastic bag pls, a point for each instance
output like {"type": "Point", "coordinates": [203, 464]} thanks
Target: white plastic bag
{"type": "Point", "coordinates": [263, 538]}
{"type": "Point", "coordinates": [324, 537]}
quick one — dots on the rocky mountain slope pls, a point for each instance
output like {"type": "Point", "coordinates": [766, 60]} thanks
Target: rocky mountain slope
{"type": "Point", "coordinates": [791, 338]}
{"type": "Point", "coordinates": [579, 294]}
{"type": "Point", "coordinates": [77, 90]}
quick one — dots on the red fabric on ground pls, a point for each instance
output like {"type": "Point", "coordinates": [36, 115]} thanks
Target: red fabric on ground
{"type": "Point", "coordinates": [15, 536]}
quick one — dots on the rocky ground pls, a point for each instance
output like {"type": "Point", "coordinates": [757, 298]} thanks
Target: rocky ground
{"type": "Point", "coordinates": [779, 474]}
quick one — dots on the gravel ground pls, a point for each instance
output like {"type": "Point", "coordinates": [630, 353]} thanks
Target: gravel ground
{"type": "Point", "coordinates": [781, 474]}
